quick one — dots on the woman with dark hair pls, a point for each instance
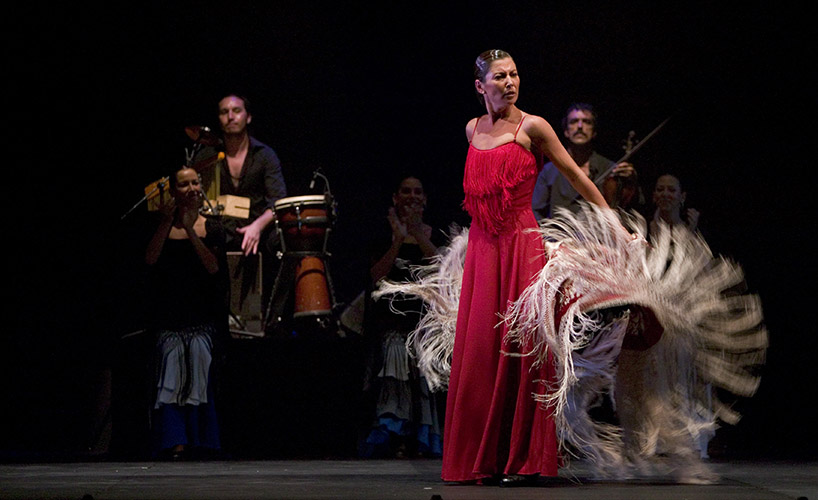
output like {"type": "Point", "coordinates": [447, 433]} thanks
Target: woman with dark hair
{"type": "Point", "coordinates": [188, 285]}
{"type": "Point", "coordinates": [406, 422]}
{"type": "Point", "coordinates": [529, 326]}
{"type": "Point", "coordinates": [669, 199]}
{"type": "Point", "coordinates": [494, 428]}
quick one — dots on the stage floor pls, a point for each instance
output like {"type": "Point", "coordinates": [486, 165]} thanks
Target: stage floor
{"type": "Point", "coordinates": [372, 479]}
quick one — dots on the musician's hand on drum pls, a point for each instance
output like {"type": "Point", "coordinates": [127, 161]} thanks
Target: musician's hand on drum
{"type": "Point", "coordinates": [252, 236]}
{"type": "Point", "coordinates": [624, 169]}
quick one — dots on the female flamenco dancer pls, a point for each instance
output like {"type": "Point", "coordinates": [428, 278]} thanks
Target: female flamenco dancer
{"type": "Point", "coordinates": [513, 324]}
{"type": "Point", "coordinates": [493, 427]}
{"type": "Point", "coordinates": [188, 274]}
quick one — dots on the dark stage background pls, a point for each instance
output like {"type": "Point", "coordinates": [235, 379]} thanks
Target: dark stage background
{"type": "Point", "coordinates": [101, 99]}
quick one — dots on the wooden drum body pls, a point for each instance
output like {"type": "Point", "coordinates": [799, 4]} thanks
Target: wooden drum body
{"type": "Point", "coordinates": [303, 223]}
{"type": "Point", "coordinates": [312, 297]}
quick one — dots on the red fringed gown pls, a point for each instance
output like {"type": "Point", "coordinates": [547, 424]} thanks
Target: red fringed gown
{"type": "Point", "coordinates": [493, 424]}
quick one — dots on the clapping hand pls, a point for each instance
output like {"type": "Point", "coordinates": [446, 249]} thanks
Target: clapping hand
{"type": "Point", "coordinates": [692, 218]}
{"type": "Point", "coordinates": [399, 230]}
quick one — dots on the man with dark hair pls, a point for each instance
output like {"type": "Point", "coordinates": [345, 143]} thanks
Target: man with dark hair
{"type": "Point", "coordinates": [554, 191]}
{"type": "Point", "coordinates": [251, 169]}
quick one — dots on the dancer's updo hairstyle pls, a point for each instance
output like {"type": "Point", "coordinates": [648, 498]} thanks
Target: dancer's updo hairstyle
{"type": "Point", "coordinates": [483, 63]}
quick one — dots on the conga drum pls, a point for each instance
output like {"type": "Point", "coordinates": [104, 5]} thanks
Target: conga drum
{"type": "Point", "coordinates": [312, 296]}
{"type": "Point", "coordinates": [302, 222]}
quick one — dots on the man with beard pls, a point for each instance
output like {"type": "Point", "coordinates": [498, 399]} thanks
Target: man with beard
{"type": "Point", "coordinates": [554, 191]}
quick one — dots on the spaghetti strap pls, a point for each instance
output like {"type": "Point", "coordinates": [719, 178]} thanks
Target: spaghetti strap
{"type": "Point", "coordinates": [518, 127]}
{"type": "Point", "coordinates": [475, 129]}
{"type": "Point", "coordinates": [516, 131]}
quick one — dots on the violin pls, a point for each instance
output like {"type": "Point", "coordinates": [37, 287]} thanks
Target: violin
{"type": "Point", "coordinates": [619, 191]}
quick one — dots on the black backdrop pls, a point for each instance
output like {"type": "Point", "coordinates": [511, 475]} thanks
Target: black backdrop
{"type": "Point", "coordinates": [101, 97]}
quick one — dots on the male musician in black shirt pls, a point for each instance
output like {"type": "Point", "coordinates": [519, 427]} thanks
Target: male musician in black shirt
{"type": "Point", "coordinates": [251, 169]}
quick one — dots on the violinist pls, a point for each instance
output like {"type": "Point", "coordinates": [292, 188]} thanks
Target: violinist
{"type": "Point", "coordinates": [621, 189]}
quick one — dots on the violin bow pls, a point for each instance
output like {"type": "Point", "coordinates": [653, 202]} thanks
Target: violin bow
{"type": "Point", "coordinates": [604, 175]}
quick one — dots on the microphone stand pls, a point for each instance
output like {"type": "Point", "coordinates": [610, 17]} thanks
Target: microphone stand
{"type": "Point", "coordinates": [190, 154]}
{"type": "Point", "coordinates": [329, 200]}
{"type": "Point", "coordinates": [160, 186]}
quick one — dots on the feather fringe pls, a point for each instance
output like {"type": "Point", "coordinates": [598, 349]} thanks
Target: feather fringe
{"type": "Point", "coordinates": [712, 336]}
{"type": "Point", "coordinates": [438, 284]}
{"type": "Point", "coordinates": [663, 395]}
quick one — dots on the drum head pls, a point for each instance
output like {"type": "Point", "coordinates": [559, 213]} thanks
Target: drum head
{"type": "Point", "coordinates": [313, 199]}
{"type": "Point", "coordinates": [303, 222]}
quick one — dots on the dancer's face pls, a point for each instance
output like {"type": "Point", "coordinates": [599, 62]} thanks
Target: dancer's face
{"type": "Point", "coordinates": [501, 86]}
